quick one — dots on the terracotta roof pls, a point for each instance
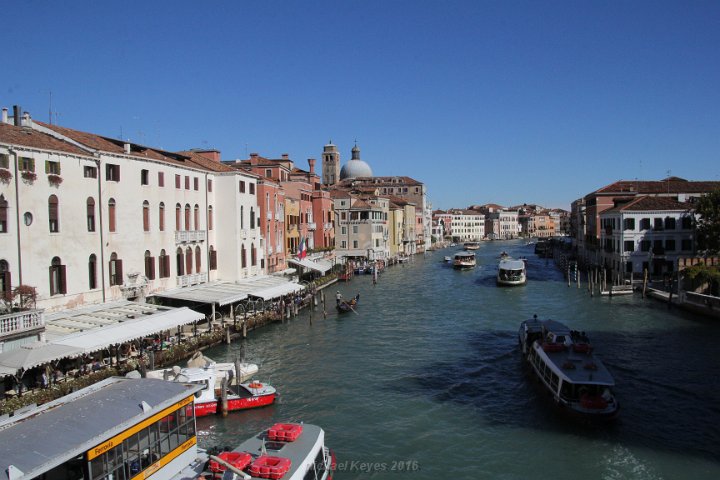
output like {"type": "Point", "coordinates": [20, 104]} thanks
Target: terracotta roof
{"type": "Point", "coordinates": [647, 203]}
{"type": "Point", "coordinates": [26, 137]}
{"type": "Point", "coordinates": [381, 181]}
{"type": "Point", "coordinates": [669, 185]}
{"type": "Point", "coordinates": [208, 164]}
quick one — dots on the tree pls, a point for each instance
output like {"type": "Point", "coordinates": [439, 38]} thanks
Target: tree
{"type": "Point", "coordinates": [708, 222]}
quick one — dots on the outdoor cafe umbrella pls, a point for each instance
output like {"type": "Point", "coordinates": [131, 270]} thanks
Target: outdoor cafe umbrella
{"type": "Point", "coordinates": [17, 361]}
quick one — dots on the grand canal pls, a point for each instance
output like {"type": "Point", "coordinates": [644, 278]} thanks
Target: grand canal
{"type": "Point", "coordinates": [426, 381]}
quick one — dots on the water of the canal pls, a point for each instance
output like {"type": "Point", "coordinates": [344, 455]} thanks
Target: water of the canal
{"type": "Point", "coordinates": [427, 377]}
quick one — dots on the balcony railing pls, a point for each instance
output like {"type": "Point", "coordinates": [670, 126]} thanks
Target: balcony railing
{"type": "Point", "coordinates": [192, 279]}
{"type": "Point", "coordinates": [312, 226]}
{"type": "Point", "coordinates": [185, 236]}
{"type": "Point", "coordinates": [18, 322]}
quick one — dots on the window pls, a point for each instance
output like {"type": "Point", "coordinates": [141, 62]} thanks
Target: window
{"type": "Point", "coordinates": [252, 189]}
{"type": "Point", "coordinates": [343, 231]}
{"type": "Point", "coordinates": [355, 244]}
{"type": "Point", "coordinates": [686, 245]}
{"type": "Point", "coordinates": [180, 260]}
{"type": "Point", "coordinates": [355, 229]}
{"type": "Point", "coordinates": [198, 258]}
{"type": "Point", "coordinates": [252, 217]}
{"type": "Point", "coordinates": [644, 245]}
{"type": "Point", "coordinates": [268, 173]}
{"type": "Point", "coordinates": [164, 264]}
{"type": "Point", "coordinates": [670, 245]}
{"type": "Point", "coordinates": [57, 277]}
{"type": "Point", "coordinates": [188, 260]}
{"type": "Point", "coordinates": [209, 184]}
{"type": "Point", "coordinates": [196, 219]}
{"type": "Point", "coordinates": [146, 216]}
{"type": "Point", "coordinates": [187, 182]}
{"type": "Point", "coordinates": [196, 183]}
{"type": "Point", "coordinates": [90, 172]}
{"type": "Point", "coordinates": [27, 164]}
{"type": "Point", "coordinates": [177, 181]}
{"type": "Point", "coordinates": [629, 224]}
{"type": "Point", "coordinates": [670, 223]}
{"type": "Point", "coordinates": [3, 214]}
{"type": "Point", "coordinates": [5, 280]}
{"type": "Point", "coordinates": [53, 215]}
{"type": "Point", "coordinates": [343, 244]}
{"type": "Point", "coordinates": [242, 216]}
{"type": "Point", "coordinates": [187, 217]}
{"type": "Point", "coordinates": [111, 214]}
{"type": "Point", "coordinates": [52, 167]}
{"type": "Point", "coordinates": [645, 224]}
{"type": "Point", "coordinates": [213, 258]}
{"type": "Point", "coordinates": [144, 177]}
{"type": "Point", "coordinates": [210, 217]}
{"type": "Point", "coordinates": [4, 160]}
{"type": "Point", "coordinates": [629, 246]}
{"type": "Point", "coordinates": [178, 217]}
{"type": "Point", "coordinates": [253, 255]}
{"type": "Point", "coordinates": [658, 224]}
{"type": "Point", "coordinates": [115, 270]}
{"type": "Point", "coordinates": [112, 172]}
{"type": "Point", "coordinates": [92, 272]}
{"type": "Point", "coordinates": [687, 223]}
{"type": "Point", "coordinates": [161, 179]}
{"type": "Point", "coordinates": [161, 217]}
{"type": "Point", "coordinates": [149, 265]}
{"type": "Point", "coordinates": [243, 257]}
{"type": "Point", "coordinates": [242, 186]}
{"type": "Point", "coordinates": [90, 214]}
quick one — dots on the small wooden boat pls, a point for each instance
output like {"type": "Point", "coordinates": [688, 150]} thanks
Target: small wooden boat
{"type": "Point", "coordinates": [346, 306]}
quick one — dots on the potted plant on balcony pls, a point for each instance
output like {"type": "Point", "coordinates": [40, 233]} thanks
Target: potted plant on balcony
{"type": "Point", "coordinates": [28, 176]}
{"type": "Point", "coordinates": [54, 179]}
{"type": "Point", "coordinates": [5, 175]}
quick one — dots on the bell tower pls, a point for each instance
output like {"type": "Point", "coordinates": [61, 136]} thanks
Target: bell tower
{"type": "Point", "coordinates": [330, 164]}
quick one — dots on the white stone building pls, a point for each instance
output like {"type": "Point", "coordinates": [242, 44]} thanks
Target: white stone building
{"type": "Point", "coordinates": [467, 225]}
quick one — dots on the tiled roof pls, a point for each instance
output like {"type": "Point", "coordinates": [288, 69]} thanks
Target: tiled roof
{"type": "Point", "coordinates": [669, 185]}
{"type": "Point", "coordinates": [26, 137]}
{"type": "Point", "coordinates": [647, 203]}
{"type": "Point", "coordinates": [207, 163]}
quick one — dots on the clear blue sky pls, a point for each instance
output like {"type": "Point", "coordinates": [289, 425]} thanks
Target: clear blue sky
{"type": "Point", "coordinates": [484, 101]}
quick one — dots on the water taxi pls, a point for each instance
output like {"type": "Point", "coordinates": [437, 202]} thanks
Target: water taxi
{"type": "Point", "coordinates": [128, 429]}
{"type": "Point", "coordinates": [471, 245]}
{"type": "Point", "coordinates": [511, 272]}
{"type": "Point", "coordinates": [464, 260]}
{"type": "Point", "coordinates": [563, 362]}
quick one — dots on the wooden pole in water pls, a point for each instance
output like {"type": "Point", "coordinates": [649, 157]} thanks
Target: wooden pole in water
{"type": "Point", "coordinates": [238, 371]}
{"type": "Point", "coordinates": [227, 334]}
{"type": "Point", "coordinates": [223, 397]}
{"type": "Point", "coordinates": [568, 274]}
{"type": "Point", "coordinates": [645, 278]}
{"type": "Point", "coordinates": [577, 274]}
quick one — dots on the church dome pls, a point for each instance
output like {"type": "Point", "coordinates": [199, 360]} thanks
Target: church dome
{"type": "Point", "coordinates": [355, 168]}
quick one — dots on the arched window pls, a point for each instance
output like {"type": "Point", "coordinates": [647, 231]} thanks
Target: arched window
{"type": "Point", "coordinates": [198, 259]}
{"type": "Point", "coordinates": [164, 264]}
{"type": "Point", "coordinates": [242, 214]}
{"type": "Point", "coordinates": [178, 217]}
{"type": "Point", "coordinates": [267, 202]}
{"type": "Point", "coordinates": [180, 259]}
{"type": "Point", "coordinates": [243, 261]}
{"type": "Point", "coordinates": [188, 260]}
{"type": "Point", "coordinates": [3, 214]}
{"type": "Point", "coordinates": [92, 272]}
{"type": "Point", "coordinates": [187, 217]}
{"type": "Point", "coordinates": [253, 255]}
{"type": "Point", "coordinates": [149, 265]}
{"type": "Point", "coordinates": [146, 216]}
{"type": "Point", "coordinates": [161, 216]}
{"type": "Point", "coordinates": [115, 270]}
{"type": "Point", "coordinates": [57, 277]}
{"type": "Point", "coordinates": [5, 284]}
{"type": "Point", "coordinates": [252, 217]}
{"type": "Point", "coordinates": [53, 214]}
{"type": "Point", "coordinates": [213, 258]}
{"type": "Point", "coordinates": [111, 214]}
{"type": "Point", "coordinates": [90, 214]}
{"type": "Point", "coordinates": [210, 217]}
{"type": "Point", "coordinates": [196, 214]}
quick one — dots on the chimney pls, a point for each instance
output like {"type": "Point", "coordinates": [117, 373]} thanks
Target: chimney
{"type": "Point", "coordinates": [285, 156]}
{"type": "Point", "coordinates": [4, 115]}
{"type": "Point", "coordinates": [16, 115]}
{"type": "Point", "coordinates": [126, 147]}
{"type": "Point", "coordinates": [311, 162]}
{"type": "Point", "coordinates": [26, 120]}
{"type": "Point", "coordinates": [213, 154]}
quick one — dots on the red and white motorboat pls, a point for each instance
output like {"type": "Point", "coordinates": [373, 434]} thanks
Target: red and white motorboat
{"type": "Point", "coordinates": [240, 396]}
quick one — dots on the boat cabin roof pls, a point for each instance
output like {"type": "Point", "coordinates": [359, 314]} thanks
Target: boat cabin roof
{"type": "Point", "coordinates": [36, 440]}
{"type": "Point", "coordinates": [510, 264]}
{"type": "Point", "coordinates": [464, 255]}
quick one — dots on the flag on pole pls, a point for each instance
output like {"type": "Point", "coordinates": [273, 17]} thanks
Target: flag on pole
{"type": "Point", "coordinates": [302, 250]}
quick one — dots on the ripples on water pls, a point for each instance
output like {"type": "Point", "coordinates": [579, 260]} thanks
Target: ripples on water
{"type": "Point", "coordinates": [430, 372]}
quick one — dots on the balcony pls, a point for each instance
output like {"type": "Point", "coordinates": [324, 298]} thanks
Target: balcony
{"type": "Point", "coordinates": [187, 236]}
{"type": "Point", "coordinates": [312, 226]}
{"type": "Point", "coordinates": [270, 250]}
{"type": "Point", "coordinates": [192, 279]}
{"type": "Point", "coordinates": [268, 215]}
{"type": "Point", "coordinates": [19, 322]}
{"type": "Point", "coordinates": [328, 226]}
{"type": "Point", "coordinates": [278, 217]}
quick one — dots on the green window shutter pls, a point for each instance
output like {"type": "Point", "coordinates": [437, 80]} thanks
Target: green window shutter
{"type": "Point", "coordinates": [47, 166]}
{"type": "Point", "coordinates": [32, 164]}
{"type": "Point", "coordinates": [58, 168]}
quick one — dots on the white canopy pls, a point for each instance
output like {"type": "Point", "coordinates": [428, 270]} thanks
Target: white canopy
{"type": "Point", "coordinates": [320, 265]}
{"type": "Point", "coordinates": [34, 354]}
{"type": "Point", "coordinates": [225, 293]}
{"type": "Point", "coordinates": [278, 291]}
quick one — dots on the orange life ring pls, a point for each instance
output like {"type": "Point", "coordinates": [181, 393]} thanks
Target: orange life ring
{"type": "Point", "coordinates": [255, 385]}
